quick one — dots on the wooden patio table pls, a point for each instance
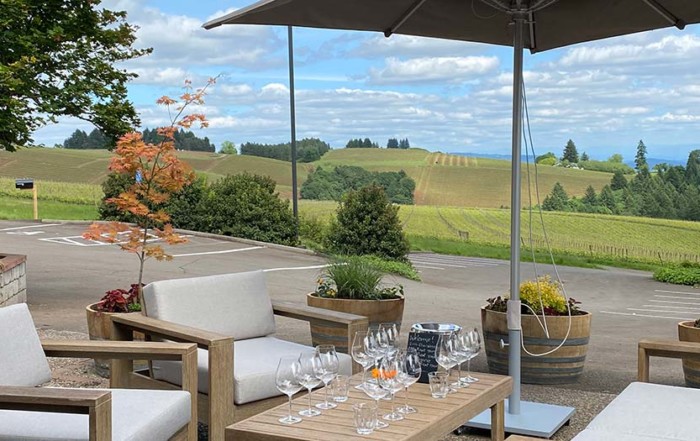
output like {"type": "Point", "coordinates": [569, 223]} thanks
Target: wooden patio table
{"type": "Point", "coordinates": [435, 417]}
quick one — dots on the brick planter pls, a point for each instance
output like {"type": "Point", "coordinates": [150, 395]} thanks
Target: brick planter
{"type": "Point", "coordinates": [13, 279]}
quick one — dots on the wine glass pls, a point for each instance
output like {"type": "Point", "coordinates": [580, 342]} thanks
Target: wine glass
{"type": "Point", "coordinates": [329, 370]}
{"type": "Point", "coordinates": [409, 374]}
{"type": "Point", "coordinates": [445, 354]}
{"type": "Point", "coordinates": [361, 356]}
{"type": "Point", "coordinates": [373, 346]}
{"type": "Point", "coordinates": [475, 340]}
{"type": "Point", "coordinates": [390, 380]}
{"type": "Point", "coordinates": [375, 391]}
{"type": "Point", "coordinates": [286, 379]}
{"type": "Point", "coordinates": [309, 377]}
{"type": "Point", "coordinates": [463, 351]}
{"type": "Point", "coordinates": [389, 335]}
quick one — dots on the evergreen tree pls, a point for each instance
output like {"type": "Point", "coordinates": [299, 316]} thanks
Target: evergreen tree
{"type": "Point", "coordinates": [570, 152]}
{"type": "Point", "coordinates": [78, 140]}
{"type": "Point", "coordinates": [640, 159]}
{"type": "Point", "coordinates": [607, 199]}
{"type": "Point", "coordinates": [557, 200]}
{"type": "Point", "coordinates": [590, 199]}
{"type": "Point", "coordinates": [584, 157]}
{"type": "Point", "coordinates": [692, 168]}
{"type": "Point", "coordinates": [618, 181]}
{"type": "Point", "coordinates": [97, 140]}
{"type": "Point", "coordinates": [392, 143]}
{"type": "Point", "coordinates": [404, 144]}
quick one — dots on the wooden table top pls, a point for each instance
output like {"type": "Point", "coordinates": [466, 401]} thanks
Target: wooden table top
{"type": "Point", "coordinates": [434, 419]}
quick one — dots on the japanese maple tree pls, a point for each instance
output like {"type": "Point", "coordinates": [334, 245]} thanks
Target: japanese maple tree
{"type": "Point", "coordinates": [157, 174]}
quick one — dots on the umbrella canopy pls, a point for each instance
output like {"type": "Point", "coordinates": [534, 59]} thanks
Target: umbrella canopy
{"type": "Point", "coordinates": [549, 23]}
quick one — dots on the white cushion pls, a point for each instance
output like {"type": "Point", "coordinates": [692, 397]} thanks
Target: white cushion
{"type": "Point", "coordinates": [254, 366]}
{"type": "Point", "coordinates": [22, 360]}
{"type": "Point", "coordinates": [137, 415]}
{"type": "Point", "coordinates": [648, 411]}
{"type": "Point", "coordinates": [236, 305]}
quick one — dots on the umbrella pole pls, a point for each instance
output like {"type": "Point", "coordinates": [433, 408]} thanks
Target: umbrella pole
{"type": "Point", "coordinates": [293, 124]}
{"type": "Point", "coordinates": [514, 302]}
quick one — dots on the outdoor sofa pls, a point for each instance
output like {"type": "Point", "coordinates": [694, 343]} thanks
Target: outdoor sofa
{"type": "Point", "coordinates": [231, 319]}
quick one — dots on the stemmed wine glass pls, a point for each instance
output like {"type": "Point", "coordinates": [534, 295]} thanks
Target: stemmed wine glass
{"type": "Point", "coordinates": [309, 377]}
{"type": "Point", "coordinates": [329, 370]}
{"type": "Point", "coordinates": [409, 374]}
{"type": "Point", "coordinates": [390, 380]}
{"type": "Point", "coordinates": [475, 340]}
{"type": "Point", "coordinates": [361, 355]}
{"type": "Point", "coordinates": [388, 336]}
{"type": "Point", "coordinates": [375, 391]}
{"type": "Point", "coordinates": [445, 355]}
{"type": "Point", "coordinates": [463, 352]}
{"type": "Point", "coordinates": [286, 379]}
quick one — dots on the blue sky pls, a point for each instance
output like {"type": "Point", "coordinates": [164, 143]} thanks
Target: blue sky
{"type": "Point", "coordinates": [441, 95]}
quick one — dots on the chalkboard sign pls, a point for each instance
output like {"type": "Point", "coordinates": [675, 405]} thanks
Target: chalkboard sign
{"type": "Point", "coordinates": [425, 343]}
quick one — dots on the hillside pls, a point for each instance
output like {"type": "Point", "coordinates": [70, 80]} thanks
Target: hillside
{"type": "Point", "coordinates": [441, 179]}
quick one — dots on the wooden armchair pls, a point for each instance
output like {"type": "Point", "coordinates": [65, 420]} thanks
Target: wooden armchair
{"type": "Point", "coordinates": [231, 318]}
{"type": "Point", "coordinates": [94, 414]}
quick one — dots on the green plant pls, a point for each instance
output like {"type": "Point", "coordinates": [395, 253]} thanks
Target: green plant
{"type": "Point", "coordinates": [367, 223]}
{"type": "Point", "coordinates": [120, 300]}
{"type": "Point", "coordinates": [355, 279]}
{"type": "Point", "coordinates": [537, 297]}
{"type": "Point", "coordinates": [685, 273]}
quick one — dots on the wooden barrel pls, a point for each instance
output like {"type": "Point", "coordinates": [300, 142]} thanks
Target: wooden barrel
{"type": "Point", "coordinates": [691, 368]}
{"type": "Point", "coordinates": [563, 366]}
{"type": "Point", "coordinates": [376, 311]}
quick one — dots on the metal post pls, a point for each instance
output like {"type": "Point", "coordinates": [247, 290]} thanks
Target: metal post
{"type": "Point", "coordinates": [514, 304]}
{"type": "Point", "coordinates": [293, 123]}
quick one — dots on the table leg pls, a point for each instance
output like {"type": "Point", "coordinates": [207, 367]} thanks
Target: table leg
{"type": "Point", "coordinates": [498, 421]}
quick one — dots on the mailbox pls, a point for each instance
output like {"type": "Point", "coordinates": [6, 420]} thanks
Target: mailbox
{"type": "Point", "coordinates": [24, 184]}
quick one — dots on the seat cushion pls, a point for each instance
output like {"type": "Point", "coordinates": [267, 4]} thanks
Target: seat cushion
{"type": "Point", "coordinates": [254, 366]}
{"type": "Point", "coordinates": [648, 411]}
{"type": "Point", "coordinates": [137, 415]}
{"type": "Point", "coordinates": [22, 360]}
{"type": "Point", "coordinates": [236, 305]}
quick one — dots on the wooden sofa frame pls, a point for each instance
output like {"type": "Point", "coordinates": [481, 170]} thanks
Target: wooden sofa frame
{"type": "Point", "coordinates": [218, 409]}
{"type": "Point", "coordinates": [98, 403]}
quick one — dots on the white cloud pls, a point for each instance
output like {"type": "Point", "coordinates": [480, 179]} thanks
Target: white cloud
{"type": "Point", "coordinates": [431, 69]}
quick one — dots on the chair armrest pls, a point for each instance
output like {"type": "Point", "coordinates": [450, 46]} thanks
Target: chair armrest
{"type": "Point", "coordinates": [663, 348]}
{"type": "Point", "coordinates": [303, 312]}
{"type": "Point", "coordinates": [121, 323]}
{"type": "Point", "coordinates": [125, 350]}
{"type": "Point", "coordinates": [95, 403]}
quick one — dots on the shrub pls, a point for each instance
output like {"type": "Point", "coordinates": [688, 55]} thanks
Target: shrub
{"type": "Point", "coordinates": [539, 296]}
{"type": "Point", "coordinates": [683, 274]}
{"type": "Point", "coordinates": [246, 205]}
{"type": "Point", "coordinates": [184, 206]}
{"type": "Point", "coordinates": [367, 223]}
{"type": "Point", "coordinates": [113, 186]}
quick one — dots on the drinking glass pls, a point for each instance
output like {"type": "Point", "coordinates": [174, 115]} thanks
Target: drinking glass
{"type": "Point", "coordinates": [286, 380]}
{"type": "Point", "coordinates": [361, 355]}
{"type": "Point", "coordinates": [475, 339]}
{"type": "Point", "coordinates": [445, 354]}
{"type": "Point", "coordinates": [375, 391]}
{"type": "Point", "coordinates": [390, 380]}
{"type": "Point", "coordinates": [339, 386]}
{"type": "Point", "coordinates": [365, 417]}
{"type": "Point", "coordinates": [438, 384]}
{"type": "Point", "coordinates": [329, 370]}
{"type": "Point", "coordinates": [463, 352]}
{"type": "Point", "coordinates": [309, 377]}
{"type": "Point", "coordinates": [389, 336]}
{"type": "Point", "coordinates": [410, 373]}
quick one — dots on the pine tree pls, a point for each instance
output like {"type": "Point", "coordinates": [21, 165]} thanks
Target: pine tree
{"type": "Point", "coordinates": [584, 157]}
{"type": "Point", "coordinates": [640, 160]}
{"type": "Point", "coordinates": [392, 143]}
{"type": "Point", "coordinates": [557, 200]}
{"type": "Point", "coordinates": [618, 181]}
{"type": "Point", "coordinates": [590, 198]}
{"type": "Point", "coordinates": [570, 153]}
{"type": "Point", "coordinates": [607, 199]}
{"type": "Point", "coordinates": [692, 169]}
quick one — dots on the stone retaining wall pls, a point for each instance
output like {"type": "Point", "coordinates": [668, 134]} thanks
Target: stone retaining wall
{"type": "Point", "coordinates": [13, 279]}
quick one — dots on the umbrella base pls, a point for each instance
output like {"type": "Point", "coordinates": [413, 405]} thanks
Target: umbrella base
{"type": "Point", "coordinates": [535, 419]}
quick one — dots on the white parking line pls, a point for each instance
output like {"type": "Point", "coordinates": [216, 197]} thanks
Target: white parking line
{"type": "Point", "coordinates": [675, 303]}
{"type": "Point", "coordinates": [429, 267]}
{"type": "Point", "coordinates": [678, 292]}
{"type": "Point", "coordinates": [217, 252]}
{"type": "Point", "coordinates": [269, 270]}
{"type": "Point", "coordinates": [673, 297]}
{"type": "Point", "coordinates": [634, 314]}
{"type": "Point", "coordinates": [657, 310]}
{"type": "Point", "coordinates": [29, 226]}
{"type": "Point", "coordinates": [685, 308]}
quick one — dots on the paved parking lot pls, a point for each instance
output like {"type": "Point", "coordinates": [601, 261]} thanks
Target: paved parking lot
{"type": "Point", "coordinates": [66, 273]}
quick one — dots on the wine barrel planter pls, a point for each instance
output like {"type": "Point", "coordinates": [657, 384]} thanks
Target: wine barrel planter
{"type": "Point", "coordinates": [563, 366]}
{"type": "Point", "coordinates": [376, 311]}
{"type": "Point", "coordinates": [100, 328]}
{"type": "Point", "coordinates": [691, 368]}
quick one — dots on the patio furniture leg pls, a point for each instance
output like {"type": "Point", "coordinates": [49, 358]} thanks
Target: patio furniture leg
{"type": "Point", "coordinates": [498, 421]}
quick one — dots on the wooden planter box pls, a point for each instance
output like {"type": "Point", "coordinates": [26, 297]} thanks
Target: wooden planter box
{"type": "Point", "coordinates": [563, 366]}
{"type": "Point", "coordinates": [691, 368]}
{"type": "Point", "coordinates": [376, 311]}
{"type": "Point", "coordinates": [100, 328]}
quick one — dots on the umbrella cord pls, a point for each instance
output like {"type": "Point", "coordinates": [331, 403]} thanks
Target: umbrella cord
{"type": "Point", "coordinates": [527, 136]}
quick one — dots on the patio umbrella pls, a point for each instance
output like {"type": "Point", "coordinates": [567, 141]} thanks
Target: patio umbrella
{"type": "Point", "coordinates": [537, 25]}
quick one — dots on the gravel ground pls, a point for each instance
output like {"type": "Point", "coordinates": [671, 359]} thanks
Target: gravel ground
{"type": "Point", "coordinates": [68, 372]}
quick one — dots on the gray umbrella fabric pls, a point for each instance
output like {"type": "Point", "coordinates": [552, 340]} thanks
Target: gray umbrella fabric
{"type": "Point", "coordinates": [549, 24]}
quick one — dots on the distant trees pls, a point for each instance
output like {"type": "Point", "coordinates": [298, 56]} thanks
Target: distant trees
{"type": "Point", "coordinates": [184, 140]}
{"type": "Point", "coordinates": [308, 150]}
{"type": "Point", "coordinates": [570, 153]}
{"type": "Point", "coordinates": [558, 200]}
{"type": "Point", "coordinates": [361, 144]}
{"type": "Point", "coordinates": [392, 143]}
{"type": "Point", "coordinates": [584, 157]}
{"type": "Point", "coordinates": [332, 184]}
{"type": "Point", "coordinates": [228, 148]}
{"type": "Point", "coordinates": [640, 159]}
{"type": "Point", "coordinates": [81, 140]}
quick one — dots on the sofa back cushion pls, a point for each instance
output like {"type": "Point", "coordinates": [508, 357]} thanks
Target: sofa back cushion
{"type": "Point", "coordinates": [236, 305]}
{"type": "Point", "coordinates": [22, 360]}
